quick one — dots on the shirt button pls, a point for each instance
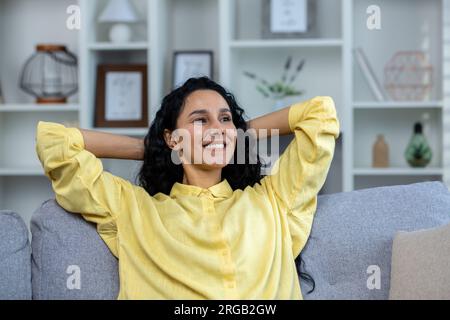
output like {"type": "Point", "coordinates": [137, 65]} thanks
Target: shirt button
{"type": "Point", "coordinates": [230, 284]}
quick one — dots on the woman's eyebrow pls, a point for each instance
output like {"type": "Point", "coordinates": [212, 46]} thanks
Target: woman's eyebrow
{"type": "Point", "coordinates": [204, 111]}
{"type": "Point", "coordinates": [201, 111]}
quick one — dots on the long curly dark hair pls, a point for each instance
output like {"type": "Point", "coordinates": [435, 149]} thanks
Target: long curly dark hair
{"type": "Point", "coordinates": [158, 172]}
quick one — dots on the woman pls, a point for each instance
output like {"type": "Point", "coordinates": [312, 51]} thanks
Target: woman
{"type": "Point", "coordinates": [198, 230]}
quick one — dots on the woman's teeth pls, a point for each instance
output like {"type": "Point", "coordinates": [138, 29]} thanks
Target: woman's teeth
{"type": "Point", "coordinates": [215, 146]}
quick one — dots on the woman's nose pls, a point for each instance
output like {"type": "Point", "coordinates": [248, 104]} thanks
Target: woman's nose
{"type": "Point", "coordinates": [217, 126]}
{"type": "Point", "coordinates": [216, 132]}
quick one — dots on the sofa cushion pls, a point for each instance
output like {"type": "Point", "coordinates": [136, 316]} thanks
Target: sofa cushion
{"type": "Point", "coordinates": [349, 248]}
{"type": "Point", "coordinates": [15, 257]}
{"type": "Point", "coordinates": [69, 259]}
{"type": "Point", "coordinates": [420, 266]}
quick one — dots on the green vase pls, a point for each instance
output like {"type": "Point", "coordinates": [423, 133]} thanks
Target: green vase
{"type": "Point", "coordinates": [418, 153]}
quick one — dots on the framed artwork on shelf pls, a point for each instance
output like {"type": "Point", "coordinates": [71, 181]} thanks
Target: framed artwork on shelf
{"type": "Point", "coordinates": [188, 64]}
{"type": "Point", "coordinates": [288, 19]}
{"type": "Point", "coordinates": [121, 96]}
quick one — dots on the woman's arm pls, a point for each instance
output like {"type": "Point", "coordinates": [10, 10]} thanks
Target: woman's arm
{"type": "Point", "coordinates": [300, 172]}
{"type": "Point", "coordinates": [274, 120]}
{"type": "Point", "coordinates": [77, 176]}
{"type": "Point", "coordinates": [108, 145]}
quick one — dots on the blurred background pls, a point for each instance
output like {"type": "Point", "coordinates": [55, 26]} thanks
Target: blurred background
{"type": "Point", "coordinates": [106, 65]}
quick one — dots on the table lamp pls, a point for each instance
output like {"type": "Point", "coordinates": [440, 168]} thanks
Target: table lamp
{"type": "Point", "coordinates": [121, 13]}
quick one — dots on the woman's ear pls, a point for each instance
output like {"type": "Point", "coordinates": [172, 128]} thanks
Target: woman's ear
{"type": "Point", "coordinates": [168, 138]}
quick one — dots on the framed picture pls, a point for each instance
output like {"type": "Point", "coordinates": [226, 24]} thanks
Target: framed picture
{"type": "Point", "coordinates": [188, 64]}
{"type": "Point", "coordinates": [288, 18]}
{"type": "Point", "coordinates": [121, 97]}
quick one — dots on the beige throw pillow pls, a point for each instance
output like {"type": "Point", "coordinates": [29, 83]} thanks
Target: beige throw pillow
{"type": "Point", "coordinates": [421, 265]}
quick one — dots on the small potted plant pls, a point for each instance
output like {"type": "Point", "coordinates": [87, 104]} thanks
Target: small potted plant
{"type": "Point", "coordinates": [280, 89]}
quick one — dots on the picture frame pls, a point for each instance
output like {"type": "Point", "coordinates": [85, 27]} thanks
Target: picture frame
{"type": "Point", "coordinates": [287, 19]}
{"type": "Point", "coordinates": [121, 96]}
{"type": "Point", "coordinates": [191, 63]}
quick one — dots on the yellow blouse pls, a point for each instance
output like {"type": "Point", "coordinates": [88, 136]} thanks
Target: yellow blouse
{"type": "Point", "coordinates": [197, 243]}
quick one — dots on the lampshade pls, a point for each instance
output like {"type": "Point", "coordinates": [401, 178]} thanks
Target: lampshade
{"type": "Point", "coordinates": [119, 11]}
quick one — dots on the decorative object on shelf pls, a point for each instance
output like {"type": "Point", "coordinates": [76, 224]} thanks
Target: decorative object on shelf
{"type": "Point", "coordinates": [281, 89]}
{"type": "Point", "coordinates": [380, 153]}
{"type": "Point", "coordinates": [369, 74]}
{"type": "Point", "coordinates": [408, 76]}
{"type": "Point", "coordinates": [122, 13]}
{"type": "Point", "coordinates": [121, 98]}
{"type": "Point", "coordinates": [288, 19]}
{"type": "Point", "coordinates": [192, 63]}
{"type": "Point", "coordinates": [50, 74]}
{"type": "Point", "coordinates": [418, 153]}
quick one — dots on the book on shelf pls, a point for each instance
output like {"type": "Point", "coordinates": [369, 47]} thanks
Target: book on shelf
{"type": "Point", "coordinates": [369, 74]}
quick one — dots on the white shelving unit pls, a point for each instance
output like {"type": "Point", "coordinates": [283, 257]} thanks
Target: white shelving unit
{"type": "Point", "coordinates": [232, 29]}
{"type": "Point", "coordinates": [23, 24]}
{"type": "Point", "coordinates": [365, 118]}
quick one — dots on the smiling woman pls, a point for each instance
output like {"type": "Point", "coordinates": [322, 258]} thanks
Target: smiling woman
{"type": "Point", "coordinates": [199, 231]}
{"type": "Point", "coordinates": [193, 115]}
{"type": "Point", "coordinates": [209, 137]}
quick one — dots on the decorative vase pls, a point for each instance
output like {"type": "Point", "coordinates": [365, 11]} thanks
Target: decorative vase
{"type": "Point", "coordinates": [380, 153]}
{"type": "Point", "coordinates": [418, 152]}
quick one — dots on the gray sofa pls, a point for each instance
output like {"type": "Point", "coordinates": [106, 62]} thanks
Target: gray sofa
{"type": "Point", "coordinates": [348, 253]}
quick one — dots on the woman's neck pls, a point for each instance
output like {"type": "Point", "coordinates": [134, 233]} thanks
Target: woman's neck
{"type": "Point", "coordinates": [201, 178]}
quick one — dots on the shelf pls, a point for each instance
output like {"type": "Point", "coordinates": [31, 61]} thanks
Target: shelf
{"type": "Point", "coordinates": [108, 46]}
{"type": "Point", "coordinates": [125, 131]}
{"type": "Point", "coordinates": [397, 171]}
{"type": "Point", "coordinates": [24, 171]}
{"type": "Point", "coordinates": [286, 43]}
{"type": "Point", "coordinates": [39, 107]}
{"type": "Point", "coordinates": [398, 105]}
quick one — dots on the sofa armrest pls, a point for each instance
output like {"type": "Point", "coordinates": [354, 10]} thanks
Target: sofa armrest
{"type": "Point", "coordinates": [15, 256]}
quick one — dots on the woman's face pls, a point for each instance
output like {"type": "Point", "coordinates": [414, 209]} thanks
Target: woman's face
{"type": "Point", "coordinates": [205, 135]}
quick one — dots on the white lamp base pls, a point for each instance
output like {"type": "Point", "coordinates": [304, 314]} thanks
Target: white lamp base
{"type": "Point", "coordinates": [120, 33]}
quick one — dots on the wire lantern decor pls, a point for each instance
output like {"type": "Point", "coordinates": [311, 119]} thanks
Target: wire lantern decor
{"type": "Point", "coordinates": [50, 74]}
{"type": "Point", "coordinates": [408, 76]}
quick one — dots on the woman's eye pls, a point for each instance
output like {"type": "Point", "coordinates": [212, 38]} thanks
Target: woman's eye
{"type": "Point", "coordinates": [201, 120]}
{"type": "Point", "coordinates": [226, 119]}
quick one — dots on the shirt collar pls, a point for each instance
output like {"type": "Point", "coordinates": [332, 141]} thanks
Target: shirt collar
{"type": "Point", "coordinates": [220, 190]}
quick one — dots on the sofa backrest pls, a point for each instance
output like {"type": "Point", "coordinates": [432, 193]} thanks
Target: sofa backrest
{"type": "Point", "coordinates": [70, 260]}
{"type": "Point", "coordinates": [15, 253]}
{"type": "Point", "coordinates": [348, 253]}
{"type": "Point", "coordinates": [349, 250]}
